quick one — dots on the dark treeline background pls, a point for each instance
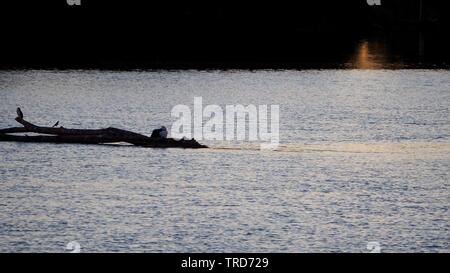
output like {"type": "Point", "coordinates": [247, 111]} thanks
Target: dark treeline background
{"type": "Point", "coordinates": [214, 34]}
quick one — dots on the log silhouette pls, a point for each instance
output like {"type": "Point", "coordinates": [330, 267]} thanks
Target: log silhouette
{"type": "Point", "coordinates": [89, 136]}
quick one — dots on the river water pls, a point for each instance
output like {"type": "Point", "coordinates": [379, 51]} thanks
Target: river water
{"type": "Point", "coordinates": [364, 156]}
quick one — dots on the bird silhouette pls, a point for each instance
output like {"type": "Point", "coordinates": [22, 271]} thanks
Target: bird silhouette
{"type": "Point", "coordinates": [19, 113]}
{"type": "Point", "coordinates": [56, 124]}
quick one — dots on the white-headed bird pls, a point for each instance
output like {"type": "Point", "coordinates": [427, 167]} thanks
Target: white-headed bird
{"type": "Point", "coordinates": [159, 133]}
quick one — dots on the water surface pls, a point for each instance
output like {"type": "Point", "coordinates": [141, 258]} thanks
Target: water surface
{"type": "Point", "coordinates": [364, 156]}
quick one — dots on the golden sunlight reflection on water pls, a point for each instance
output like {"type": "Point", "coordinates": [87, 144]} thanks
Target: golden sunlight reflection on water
{"type": "Point", "coordinates": [369, 55]}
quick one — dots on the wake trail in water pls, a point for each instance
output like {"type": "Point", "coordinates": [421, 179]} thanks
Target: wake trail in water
{"type": "Point", "coordinates": [409, 147]}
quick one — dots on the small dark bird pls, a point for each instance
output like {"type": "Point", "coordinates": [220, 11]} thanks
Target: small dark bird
{"type": "Point", "coordinates": [56, 124]}
{"type": "Point", "coordinates": [19, 113]}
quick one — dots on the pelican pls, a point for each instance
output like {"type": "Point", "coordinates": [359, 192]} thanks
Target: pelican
{"type": "Point", "coordinates": [159, 133]}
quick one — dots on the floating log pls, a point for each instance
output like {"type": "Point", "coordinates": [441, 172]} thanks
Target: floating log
{"type": "Point", "coordinates": [89, 136]}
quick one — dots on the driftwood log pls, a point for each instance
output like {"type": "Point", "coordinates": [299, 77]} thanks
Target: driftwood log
{"type": "Point", "coordinates": [89, 136]}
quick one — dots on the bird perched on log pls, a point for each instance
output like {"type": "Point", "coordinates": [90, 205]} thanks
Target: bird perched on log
{"type": "Point", "coordinates": [159, 133]}
{"type": "Point", "coordinates": [56, 124]}
{"type": "Point", "coordinates": [19, 113]}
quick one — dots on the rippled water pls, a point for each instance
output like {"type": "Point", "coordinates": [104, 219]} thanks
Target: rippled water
{"type": "Point", "coordinates": [364, 156]}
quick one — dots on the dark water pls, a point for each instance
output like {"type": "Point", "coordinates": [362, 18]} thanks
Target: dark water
{"type": "Point", "coordinates": [364, 156]}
